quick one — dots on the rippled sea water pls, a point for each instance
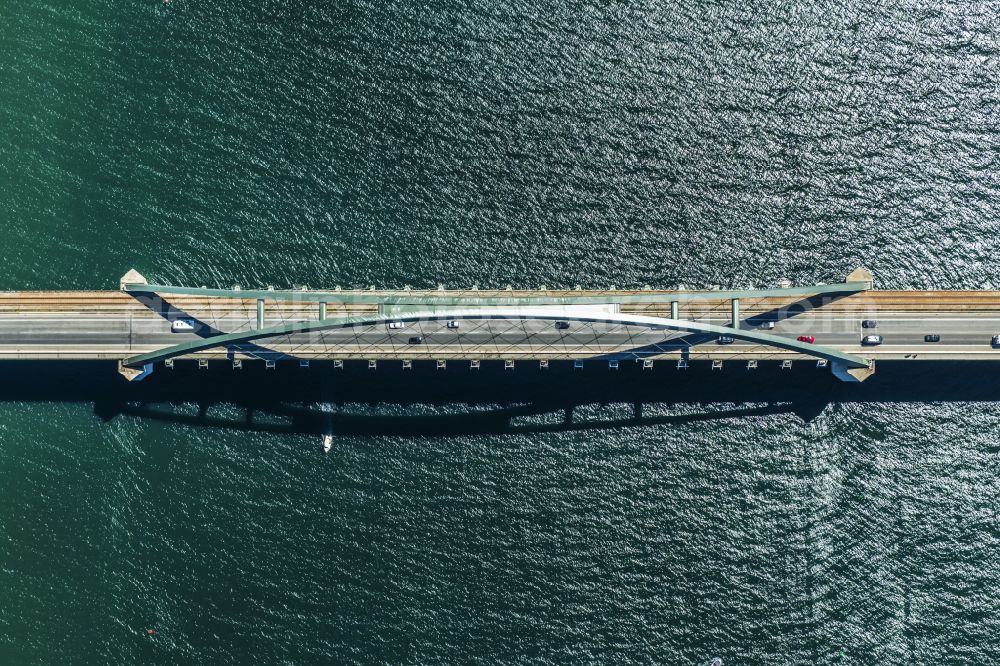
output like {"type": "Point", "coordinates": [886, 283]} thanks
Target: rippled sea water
{"type": "Point", "coordinates": [784, 520]}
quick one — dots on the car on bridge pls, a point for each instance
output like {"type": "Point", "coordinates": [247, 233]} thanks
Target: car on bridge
{"type": "Point", "coordinates": [182, 325]}
{"type": "Point", "coordinates": [869, 323]}
{"type": "Point", "coordinates": [871, 340]}
{"type": "Point", "coordinates": [806, 338]}
{"type": "Point", "coordinates": [562, 325]}
{"type": "Point", "coordinates": [726, 340]}
{"type": "Point", "coordinates": [932, 337]}
{"type": "Point", "coordinates": [396, 324]}
{"type": "Point", "coordinates": [995, 342]}
{"type": "Point", "coordinates": [416, 340]}
{"type": "Point", "coordinates": [452, 323]}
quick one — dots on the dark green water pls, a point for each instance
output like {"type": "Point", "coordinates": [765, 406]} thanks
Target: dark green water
{"type": "Point", "coordinates": [772, 521]}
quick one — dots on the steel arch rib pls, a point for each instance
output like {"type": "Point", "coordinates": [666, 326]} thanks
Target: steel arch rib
{"type": "Point", "coordinates": [430, 298]}
{"type": "Point", "coordinates": [818, 351]}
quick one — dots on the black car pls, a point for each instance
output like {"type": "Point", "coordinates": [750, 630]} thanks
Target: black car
{"type": "Point", "coordinates": [562, 325]}
{"type": "Point", "coordinates": [932, 338]}
{"type": "Point", "coordinates": [416, 340]}
{"type": "Point", "coordinates": [726, 339]}
{"type": "Point", "coordinates": [869, 323]}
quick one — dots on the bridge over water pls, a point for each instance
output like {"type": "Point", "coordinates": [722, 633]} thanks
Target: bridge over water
{"type": "Point", "coordinates": [133, 325]}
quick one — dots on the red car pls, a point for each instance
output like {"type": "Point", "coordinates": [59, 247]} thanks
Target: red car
{"type": "Point", "coordinates": [806, 338]}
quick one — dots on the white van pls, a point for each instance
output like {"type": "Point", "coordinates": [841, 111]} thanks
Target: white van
{"type": "Point", "coordinates": [182, 325]}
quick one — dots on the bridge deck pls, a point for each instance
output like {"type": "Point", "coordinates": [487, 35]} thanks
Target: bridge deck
{"type": "Point", "coordinates": [71, 302]}
{"type": "Point", "coordinates": [113, 325]}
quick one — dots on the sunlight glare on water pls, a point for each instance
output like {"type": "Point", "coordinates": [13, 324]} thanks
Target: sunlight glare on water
{"type": "Point", "coordinates": [496, 143]}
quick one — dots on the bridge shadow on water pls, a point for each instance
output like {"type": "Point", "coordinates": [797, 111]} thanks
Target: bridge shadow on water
{"type": "Point", "coordinates": [492, 400]}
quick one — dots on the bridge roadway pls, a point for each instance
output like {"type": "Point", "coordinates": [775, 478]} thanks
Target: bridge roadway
{"type": "Point", "coordinates": [115, 325]}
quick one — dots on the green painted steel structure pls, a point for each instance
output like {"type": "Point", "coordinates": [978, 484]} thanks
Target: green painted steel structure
{"type": "Point", "coordinates": [493, 300]}
{"type": "Point", "coordinates": [765, 339]}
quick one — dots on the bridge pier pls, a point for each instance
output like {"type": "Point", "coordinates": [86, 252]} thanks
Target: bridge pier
{"type": "Point", "coordinates": [674, 310]}
{"type": "Point", "coordinates": [322, 310]}
{"type": "Point", "coordinates": [133, 277]}
{"type": "Point", "coordinates": [852, 375]}
{"type": "Point", "coordinates": [862, 275]}
{"type": "Point", "coordinates": [260, 313]}
{"type": "Point", "coordinates": [735, 311]}
{"type": "Point", "coordinates": [135, 374]}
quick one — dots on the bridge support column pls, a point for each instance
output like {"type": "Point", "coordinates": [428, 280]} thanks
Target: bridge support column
{"type": "Point", "coordinates": [735, 307]}
{"type": "Point", "coordinates": [260, 313]}
{"type": "Point", "coordinates": [673, 309]}
{"type": "Point", "coordinates": [322, 311]}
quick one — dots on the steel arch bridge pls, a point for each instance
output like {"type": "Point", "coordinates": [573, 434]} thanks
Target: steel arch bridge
{"type": "Point", "coordinates": [430, 306]}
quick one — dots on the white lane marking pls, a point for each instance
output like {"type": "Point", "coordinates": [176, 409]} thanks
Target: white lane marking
{"type": "Point", "coordinates": [251, 314]}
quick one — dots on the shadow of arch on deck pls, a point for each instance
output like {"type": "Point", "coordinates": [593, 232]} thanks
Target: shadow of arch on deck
{"type": "Point", "coordinates": [499, 313]}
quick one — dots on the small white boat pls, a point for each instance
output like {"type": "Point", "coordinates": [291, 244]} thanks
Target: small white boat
{"type": "Point", "coordinates": [327, 443]}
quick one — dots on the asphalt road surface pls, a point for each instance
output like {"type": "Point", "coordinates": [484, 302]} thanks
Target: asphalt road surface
{"type": "Point", "coordinates": [903, 333]}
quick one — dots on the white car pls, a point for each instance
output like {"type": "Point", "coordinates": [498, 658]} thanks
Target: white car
{"type": "Point", "coordinates": [766, 325]}
{"type": "Point", "coordinates": [182, 325]}
{"type": "Point", "coordinates": [395, 324]}
{"type": "Point", "coordinates": [453, 323]}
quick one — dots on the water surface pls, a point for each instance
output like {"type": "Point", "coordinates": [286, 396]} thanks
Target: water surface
{"type": "Point", "coordinates": [496, 143]}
